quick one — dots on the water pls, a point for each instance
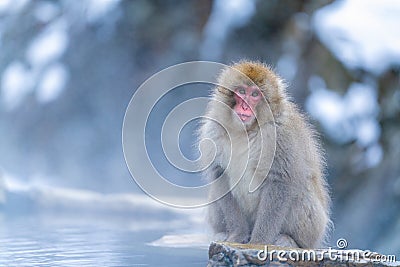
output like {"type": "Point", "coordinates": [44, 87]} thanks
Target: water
{"type": "Point", "coordinates": [42, 225]}
{"type": "Point", "coordinates": [51, 241]}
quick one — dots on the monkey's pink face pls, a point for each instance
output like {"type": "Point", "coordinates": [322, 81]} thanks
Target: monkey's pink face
{"type": "Point", "coordinates": [247, 98]}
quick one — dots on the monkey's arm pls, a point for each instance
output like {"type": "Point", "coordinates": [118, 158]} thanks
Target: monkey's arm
{"type": "Point", "coordinates": [238, 229]}
{"type": "Point", "coordinates": [225, 214]}
{"type": "Point", "coordinates": [275, 201]}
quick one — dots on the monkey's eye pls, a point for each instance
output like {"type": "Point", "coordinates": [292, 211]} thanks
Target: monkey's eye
{"type": "Point", "coordinates": [241, 91]}
{"type": "Point", "coordinates": [255, 94]}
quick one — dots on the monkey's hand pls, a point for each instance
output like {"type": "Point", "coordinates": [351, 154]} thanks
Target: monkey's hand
{"type": "Point", "coordinates": [239, 237]}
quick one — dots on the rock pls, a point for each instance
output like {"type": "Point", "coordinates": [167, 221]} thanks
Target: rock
{"type": "Point", "coordinates": [234, 254]}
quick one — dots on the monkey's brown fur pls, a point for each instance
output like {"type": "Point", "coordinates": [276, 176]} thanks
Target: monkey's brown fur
{"type": "Point", "coordinates": [292, 205]}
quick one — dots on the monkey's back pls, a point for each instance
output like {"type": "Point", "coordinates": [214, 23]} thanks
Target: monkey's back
{"type": "Point", "coordinates": [300, 147]}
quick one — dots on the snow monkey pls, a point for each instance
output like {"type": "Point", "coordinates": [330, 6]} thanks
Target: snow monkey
{"type": "Point", "coordinates": [254, 134]}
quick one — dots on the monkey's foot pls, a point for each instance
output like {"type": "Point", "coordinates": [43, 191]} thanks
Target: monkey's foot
{"type": "Point", "coordinates": [285, 241]}
{"type": "Point", "coordinates": [221, 236]}
{"type": "Point", "coordinates": [238, 238]}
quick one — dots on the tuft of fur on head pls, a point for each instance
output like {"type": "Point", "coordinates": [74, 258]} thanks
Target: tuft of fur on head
{"type": "Point", "coordinates": [247, 73]}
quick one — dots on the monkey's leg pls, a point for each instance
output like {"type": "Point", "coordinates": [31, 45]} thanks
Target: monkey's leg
{"type": "Point", "coordinates": [216, 218]}
{"type": "Point", "coordinates": [225, 215]}
{"type": "Point", "coordinates": [236, 222]}
{"type": "Point", "coordinates": [272, 211]}
{"type": "Point", "coordinates": [309, 223]}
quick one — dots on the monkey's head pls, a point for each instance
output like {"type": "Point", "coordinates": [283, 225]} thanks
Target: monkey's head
{"type": "Point", "coordinates": [247, 87]}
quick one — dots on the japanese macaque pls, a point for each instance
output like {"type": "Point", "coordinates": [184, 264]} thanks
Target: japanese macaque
{"type": "Point", "coordinates": [265, 163]}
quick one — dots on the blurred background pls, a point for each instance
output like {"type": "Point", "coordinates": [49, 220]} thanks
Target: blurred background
{"type": "Point", "coordinates": [69, 68]}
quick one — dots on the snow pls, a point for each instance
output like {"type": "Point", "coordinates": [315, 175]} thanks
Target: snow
{"type": "Point", "coordinates": [226, 15]}
{"type": "Point", "coordinates": [46, 11]}
{"type": "Point", "coordinates": [42, 54]}
{"type": "Point", "coordinates": [99, 8]}
{"type": "Point", "coordinates": [373, 155]}
{"type": "Point", "coordinates": [361, 34]}
{"type": "Point", "coordinates": [362, 100]}
{"type": "Point", "coordinates": [349, 117]}
{"type": "Point", "coordinates": [52, 83]}
{"type": "Point", "coordinates": [367, 131]}
{"type": "Point", "coordinates": [57, 196]}
{"type": "Point", "coordinates": [42, 67]}
{"type": "Point", "coordinates": [12, 6]}
{"type": "Point", "coordinates": [49, 45]}
{"type": "Point", "coordinates": [16, 83]}
{"type": "Point", "coordinates": [327, 107]}
{"type": "Point", "coordinates": [183, 241]}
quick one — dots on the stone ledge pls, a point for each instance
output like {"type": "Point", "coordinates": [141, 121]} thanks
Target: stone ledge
{"type": "Point", "coordinates": [234, 254]}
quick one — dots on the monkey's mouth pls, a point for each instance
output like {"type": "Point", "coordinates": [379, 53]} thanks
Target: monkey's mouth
{"type": "Point", "coordinates": [244, 117]}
